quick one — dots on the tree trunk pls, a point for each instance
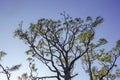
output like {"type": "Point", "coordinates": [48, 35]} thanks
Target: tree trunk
{"type": "Point", "coordinates": [67, 74]}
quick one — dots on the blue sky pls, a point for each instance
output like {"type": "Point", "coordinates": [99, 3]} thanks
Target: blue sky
{"type": "Point", "coordinates": [12, 12]}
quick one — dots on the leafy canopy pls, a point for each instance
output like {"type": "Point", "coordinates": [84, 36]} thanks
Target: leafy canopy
{"type": "Point", "coordinates": [60, 43]}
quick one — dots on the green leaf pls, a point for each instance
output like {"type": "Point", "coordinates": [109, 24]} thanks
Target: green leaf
{"type": "Point", "coordinates": [102, 41]}
{"type": "Point", "coordinates": [28, 52]}
{"type": "Point", "coordinates": [77, 19]}
{"type": "Point", "coordinates": [89, 33]}
{"type": "Point", "coordinates": [89, 18]}
{"type": "Point", "coordinates": [81, 36]}
{"type": "Point", "coordinates": [29, 59]}
{"type": "Point", "coordinates": [2, 54]}
{"type": "Point", "coordinates": [24, 76]}
{"type": "Point", "coordinates": [102, 50]}
{"type": "Point", "coordinates": [103, 71]}
{"type": "Point", "coordinates": [94, 78]}
{"type": "Point", "coordinates": [15, 67]}
{"type": "Point", "coordinates": [118, 43]}
{"type": "Point", "coordinates": [107, 57]}
{"type": "Point", "coordinates": [117, 72]}
{"type": "Point", "coordinates": [97, 21]}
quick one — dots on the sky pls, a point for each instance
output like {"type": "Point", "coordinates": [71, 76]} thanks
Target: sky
{"type": "Point", "coordinates": [12, 12]}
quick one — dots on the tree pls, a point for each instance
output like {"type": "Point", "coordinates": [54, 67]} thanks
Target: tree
{"type": "Point", "coordinates": [7, 70]}
{"type": "Point", "coordinates": [33, 71]}
{"type": "Point", "coordinates": [60, 43]}
{"type": "Point", "coordinates": [106, 62]}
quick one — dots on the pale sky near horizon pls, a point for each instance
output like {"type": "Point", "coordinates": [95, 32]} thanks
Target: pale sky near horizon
{"type": "Point", "coordinates": [12, 12]}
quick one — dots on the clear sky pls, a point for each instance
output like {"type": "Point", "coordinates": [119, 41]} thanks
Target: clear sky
{"type": "Point", "coordinates": [12, 12]}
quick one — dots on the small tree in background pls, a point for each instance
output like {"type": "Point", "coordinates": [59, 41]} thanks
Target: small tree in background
{"type": "Point", "coordinates": [99, 64]}
{"type": "Point", "coordinates": [60, 43]}
{"type": "Point", "coordinates": [7, 70]}
{"type": "Point", "coordinates": [33, 75]}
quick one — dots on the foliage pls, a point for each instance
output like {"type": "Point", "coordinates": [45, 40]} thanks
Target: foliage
{"type": "Point", "coordinates": [60, 43]}
{"type": "Point", "coordinates": [33, 71]}
{"type": "Point", "coordinates": [7, 70]}
{"type": "Point", "coordinates": [2, 54]}
{"type": "Point", "coordinates": [105, 61]}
